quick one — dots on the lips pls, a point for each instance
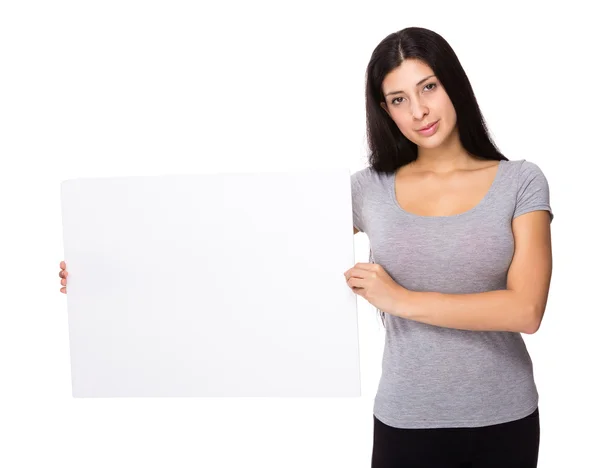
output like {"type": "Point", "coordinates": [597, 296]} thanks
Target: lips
{"type": "Point", "coordinates": [428, 126]}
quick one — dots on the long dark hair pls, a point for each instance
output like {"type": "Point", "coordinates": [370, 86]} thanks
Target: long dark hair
{"type": "Point", "coordinates": [389, 149]}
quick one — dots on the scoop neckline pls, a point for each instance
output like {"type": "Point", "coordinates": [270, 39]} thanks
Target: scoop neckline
{"type": "Point", "coordinates": [481, 202]}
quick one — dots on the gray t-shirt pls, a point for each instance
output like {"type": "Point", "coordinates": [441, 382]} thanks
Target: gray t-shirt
{"type": "Point", "coordinates": [435, 376]}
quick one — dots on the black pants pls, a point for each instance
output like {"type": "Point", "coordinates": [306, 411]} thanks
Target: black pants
{"type": "Point", "coordinates": [514, 444]}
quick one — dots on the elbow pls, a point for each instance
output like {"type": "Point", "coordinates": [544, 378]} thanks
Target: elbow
{"type": "Point", "coordinates": [534, 316]}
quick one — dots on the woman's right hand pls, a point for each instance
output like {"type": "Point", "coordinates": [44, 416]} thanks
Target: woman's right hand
{"type": "Point", "coordinates": [63, 274]}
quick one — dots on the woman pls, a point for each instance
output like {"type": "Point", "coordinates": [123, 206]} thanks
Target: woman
{"type": "Point", "coordinates": [460, 243]}
{"type": "Point", "coordinates": [461, 266]}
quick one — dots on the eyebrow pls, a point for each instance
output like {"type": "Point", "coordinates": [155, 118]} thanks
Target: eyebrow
{"type": "Point", "coordinates": [422, 81]}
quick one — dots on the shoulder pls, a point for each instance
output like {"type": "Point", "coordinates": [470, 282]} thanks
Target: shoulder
{"type": "Point", "coordinates": [532, 188]}
{"type": "Point", "coordinates": [363, 174]}
{"type": "Point", "coordinates": [369, 187]}
{"type": "Point", "coordinates": [369, 175]}
{"type": "Point", "coordinates": [524, 168]}
{"type": "Point", "coordinates": [522, 172]}
{"type": "Point", "coordinates": [362, 178]}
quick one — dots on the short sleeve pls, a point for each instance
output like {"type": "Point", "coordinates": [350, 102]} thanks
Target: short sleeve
{"type": "Point", "coordinates": [533, 192]}
{"type": "Point", "coordinates": [358, 184]}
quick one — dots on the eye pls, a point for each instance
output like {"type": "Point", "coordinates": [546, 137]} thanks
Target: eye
{"type": "Point", "coordinates": [424, 87]}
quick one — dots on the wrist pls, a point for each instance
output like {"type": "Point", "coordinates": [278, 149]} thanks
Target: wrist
{"type": "Point", "coordinates": [401, 302]}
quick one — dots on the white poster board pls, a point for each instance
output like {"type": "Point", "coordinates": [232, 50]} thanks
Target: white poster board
{"type": "Point", "coordinates": [211, 285]}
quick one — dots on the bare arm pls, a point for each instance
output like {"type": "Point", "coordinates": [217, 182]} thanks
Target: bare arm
{"type": "Point", "coordinates": [519, 308]}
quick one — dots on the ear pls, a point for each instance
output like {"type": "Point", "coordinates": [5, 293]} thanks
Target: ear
{"type": "Point", "coordinates": [384, 107]}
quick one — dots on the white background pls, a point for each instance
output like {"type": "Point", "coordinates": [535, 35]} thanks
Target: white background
{"type": "Point", "coordinates": [117, 88]}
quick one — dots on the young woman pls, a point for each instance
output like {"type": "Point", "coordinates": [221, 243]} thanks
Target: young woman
{"type": "Point", "coordinates": [460, 265]}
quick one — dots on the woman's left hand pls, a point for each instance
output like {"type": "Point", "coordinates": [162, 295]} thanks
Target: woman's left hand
{"type": "Point", "coordinates": [371, 281]}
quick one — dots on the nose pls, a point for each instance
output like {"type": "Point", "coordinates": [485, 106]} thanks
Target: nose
{"type": "Point", "coordinates": [418, 110]}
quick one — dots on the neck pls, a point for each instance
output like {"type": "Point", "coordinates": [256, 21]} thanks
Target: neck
{"type": "Point", "coordinates": [449, 156]}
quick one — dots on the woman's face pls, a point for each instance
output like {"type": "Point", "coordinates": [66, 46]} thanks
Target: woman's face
{"type": "Point", "coordinates": [414, 98]}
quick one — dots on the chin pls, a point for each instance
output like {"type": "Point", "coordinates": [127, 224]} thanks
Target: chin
{"type": "Point", "coordinates": [430, 142]}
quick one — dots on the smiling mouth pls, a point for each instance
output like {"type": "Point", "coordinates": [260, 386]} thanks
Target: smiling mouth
{"type": "Point", "coordinates": [427, 128]}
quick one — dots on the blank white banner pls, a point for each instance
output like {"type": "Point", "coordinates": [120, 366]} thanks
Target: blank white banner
{"type": "Point", "coordinates": [211, 285]}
